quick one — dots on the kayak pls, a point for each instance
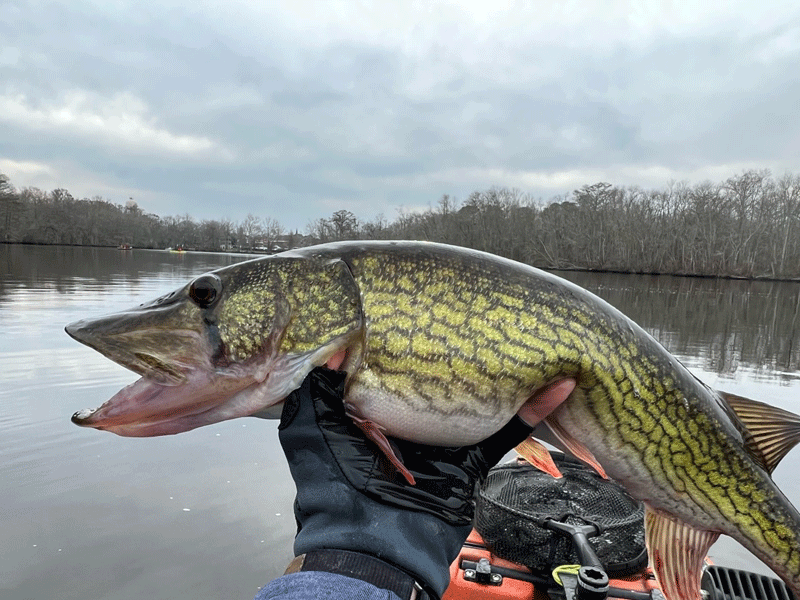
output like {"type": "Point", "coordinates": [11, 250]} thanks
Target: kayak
{"type": "Point", "coordinates": [478, 574]}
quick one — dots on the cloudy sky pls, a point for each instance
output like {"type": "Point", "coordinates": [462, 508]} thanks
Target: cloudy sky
{"type": "Point", "coordinates": [296, 109]}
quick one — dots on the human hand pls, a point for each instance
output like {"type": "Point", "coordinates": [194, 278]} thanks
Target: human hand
{"type": "Point", "coordinates": [349, 498]}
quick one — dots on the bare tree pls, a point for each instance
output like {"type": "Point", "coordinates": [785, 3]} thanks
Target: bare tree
{"type": "Point", "coordinates": [788, 224]}
{"type": "Point", "coordinates": [321, 230]}
{"type": "Point", "coordinates": [344, 225]}
{"type": "Point", "coordinates": [9, 208]}
{"type": "Point", "coordinates": [376, 229]}
{"type": "Point", "coordinates": [271, 231]}
{"type": "Point", "coordinates": [747, 225]}
{"type": "Point", "coordinates": [251, 230]}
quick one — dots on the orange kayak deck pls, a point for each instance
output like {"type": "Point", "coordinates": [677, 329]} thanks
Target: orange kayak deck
{"type": "Point", "coordinates": [496, 578]}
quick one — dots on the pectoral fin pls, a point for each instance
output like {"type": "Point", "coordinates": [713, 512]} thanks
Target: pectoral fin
{"type": "Point", "coordinates": [375, 433]}
{"type": "Point", "coordinates": [677, 552]}
{"type": "Point", "coordinates": [539, 456]}
{"type": "Point", "coordinates": [569, 444]}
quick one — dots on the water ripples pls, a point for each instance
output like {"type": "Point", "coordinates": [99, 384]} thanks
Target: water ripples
{"type": "Point", "coordinates": [91, 515]}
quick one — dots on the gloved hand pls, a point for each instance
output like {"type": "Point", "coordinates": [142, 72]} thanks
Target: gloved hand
{"type": "Point", "coordinates": [350, 498]}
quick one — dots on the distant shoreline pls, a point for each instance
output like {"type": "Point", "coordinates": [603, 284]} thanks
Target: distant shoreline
{"type": "Point", "coordinates": [574, 269]}
{"type": "Point", "coordinates": [746, 227]}
{"type": "Point", "coordinates": [110, 247]}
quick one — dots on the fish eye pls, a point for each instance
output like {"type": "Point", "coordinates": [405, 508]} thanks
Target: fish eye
{"type": "Point", "coordinates": [205, 290]}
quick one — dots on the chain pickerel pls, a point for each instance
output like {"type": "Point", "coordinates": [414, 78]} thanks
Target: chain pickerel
{"type": "Point", "coordinates": [442, 346]}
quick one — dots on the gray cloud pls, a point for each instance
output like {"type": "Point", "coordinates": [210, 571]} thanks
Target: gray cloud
{"type": "Point", "coordinates": [223, 109]}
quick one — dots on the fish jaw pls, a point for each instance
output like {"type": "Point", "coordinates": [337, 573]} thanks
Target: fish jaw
{"type": "Point", "coordinates": [164, 340]}
{"type": "Point", "coordinates": [148, 408]}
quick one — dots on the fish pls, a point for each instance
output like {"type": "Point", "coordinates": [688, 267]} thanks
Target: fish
{"type": "Point", "coordinates": [442, 346]}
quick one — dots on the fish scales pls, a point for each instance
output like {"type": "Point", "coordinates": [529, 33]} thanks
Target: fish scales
{"type": "Point", "coordinates": [440, 325]}
{"type": "Point", "coordinates": [681, 445]}
{"type": "Point", "coordinates": [532, 333]}
{"type": "Point", "coordinates": [442, 346]}
{"type": "Point", "coordinates": [425, 319]}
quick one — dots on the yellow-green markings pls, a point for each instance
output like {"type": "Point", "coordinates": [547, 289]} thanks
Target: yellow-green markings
{"type": "Point", "coordinates": [467, 340]}
{"type": "Point", "coordinates": [320, 302]}
{"type": "Point", "coordinates": [452, 333]}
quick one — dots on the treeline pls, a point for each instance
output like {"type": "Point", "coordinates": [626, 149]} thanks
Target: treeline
{"type": "Point", "coordinates": [748, 225]}
{"type": "Point", "coordinates": [33, 216]}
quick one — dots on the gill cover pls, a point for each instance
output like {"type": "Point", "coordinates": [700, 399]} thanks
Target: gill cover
{"type": "Point", "coordinates": [285, 305]}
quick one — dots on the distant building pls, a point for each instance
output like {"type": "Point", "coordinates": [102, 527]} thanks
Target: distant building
{"type": "Point", "coordinates": [282, 243]}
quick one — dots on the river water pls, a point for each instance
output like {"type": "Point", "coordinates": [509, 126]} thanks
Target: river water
{"type": "Point", "coordinates": [207, 514]}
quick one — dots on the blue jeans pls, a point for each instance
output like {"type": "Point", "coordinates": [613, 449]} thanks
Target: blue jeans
{"type": "Point", "coordinates": [318, 585]}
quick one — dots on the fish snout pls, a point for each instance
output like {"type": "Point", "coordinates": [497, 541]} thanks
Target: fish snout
{"type": "Point", "coordinates": [82, 416]}
{"type": "Point", "coordinates": [77, 330]}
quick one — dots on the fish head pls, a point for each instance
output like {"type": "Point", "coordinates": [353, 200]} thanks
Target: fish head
{"type": "Point", "coordinates": [230, 343]}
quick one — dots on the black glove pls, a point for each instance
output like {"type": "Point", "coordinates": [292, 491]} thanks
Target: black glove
{"type": "Point", "coordinates": [349, 497]}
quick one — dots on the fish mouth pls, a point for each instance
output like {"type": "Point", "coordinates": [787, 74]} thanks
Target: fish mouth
{"type": "Point", "coordinates": [148, 407]}
{"type": "Point", "coordinates": [152, 367]}
{"type": "Point", "coordinates": [179, 388]}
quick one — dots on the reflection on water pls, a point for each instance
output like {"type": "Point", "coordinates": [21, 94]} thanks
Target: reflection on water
{"type": "Point", "coordinates": [61, 266]}
{"type": "Point", "coordinates": [718, 325]}
{"type": "Point", "coordinates": [207, 514]}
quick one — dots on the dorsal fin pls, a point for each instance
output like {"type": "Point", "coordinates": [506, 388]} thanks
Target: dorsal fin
{"type": "Point", "coordinates": [771, 431]}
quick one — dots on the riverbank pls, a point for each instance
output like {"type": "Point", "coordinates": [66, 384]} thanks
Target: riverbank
{"type": "Point", "coordinates": [747, 226]}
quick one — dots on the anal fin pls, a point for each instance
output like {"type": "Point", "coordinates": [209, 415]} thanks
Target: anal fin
{"type": "Point", "coordinates": [677, 553]}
